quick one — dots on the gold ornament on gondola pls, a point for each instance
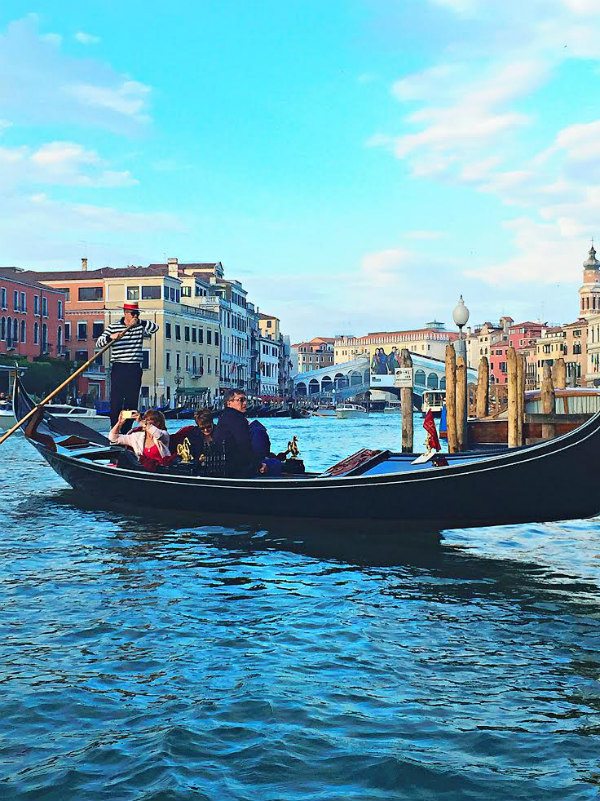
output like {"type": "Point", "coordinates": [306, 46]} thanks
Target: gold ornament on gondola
{"type": "Point", "coordinates": [184, 451]}
{"type": "Point", "coordinates": [292, 447]}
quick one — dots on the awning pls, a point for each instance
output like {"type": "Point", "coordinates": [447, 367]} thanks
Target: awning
{"type": "Point", "coordinates": [192, 390]}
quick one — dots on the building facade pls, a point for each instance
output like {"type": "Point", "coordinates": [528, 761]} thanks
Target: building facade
{"type": "Point", "coordinates": [181, 361]}
{"type": "Point", "coordinates": [32, 316]}
{"type": "Point", "coordinates": [314, 354]}
{"type": "Point", "coordinates": [430, 341]}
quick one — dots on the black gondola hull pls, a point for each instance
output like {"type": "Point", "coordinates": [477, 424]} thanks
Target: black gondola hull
{"type": "Point", "coordinates": [551, 481]}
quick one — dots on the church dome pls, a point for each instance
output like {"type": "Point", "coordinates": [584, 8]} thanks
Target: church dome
{"type": "Point", "coordinates": [592, 263]}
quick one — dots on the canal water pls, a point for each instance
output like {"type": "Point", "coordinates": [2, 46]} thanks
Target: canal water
{"type": "Point", "coordinates": [146, 656]}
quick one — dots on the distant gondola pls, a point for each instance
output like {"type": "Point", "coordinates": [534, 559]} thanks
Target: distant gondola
{"type": "Point", "coordinates": [552, 480]}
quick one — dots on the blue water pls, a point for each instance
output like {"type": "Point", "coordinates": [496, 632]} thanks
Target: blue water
{"type": "Point", "coordinates": [147, 656]}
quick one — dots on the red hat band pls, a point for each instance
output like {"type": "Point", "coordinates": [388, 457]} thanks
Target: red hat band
{"type": "Point", "coordinates": [131, 307]}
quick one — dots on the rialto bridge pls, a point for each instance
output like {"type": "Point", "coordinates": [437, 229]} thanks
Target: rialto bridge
{"type": "Point", "coordinates": [344, 381]}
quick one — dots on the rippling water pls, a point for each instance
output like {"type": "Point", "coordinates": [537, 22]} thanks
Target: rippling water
{"type": "Point", "coordinates": [150, 657]}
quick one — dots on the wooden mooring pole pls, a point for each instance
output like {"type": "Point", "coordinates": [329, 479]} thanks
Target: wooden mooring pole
{"type": "Point", "coordinates": [513, 403]}
{"type": "Point", "coordinates": [461, 403]}
{"type": "Point", "coordinates": [520, 398]}
{"type": "Point", "coordinates": [406, 401]}
{"type": "Point", "coordinates": [451, 398]}
{"type": "Point", "coordinates": [548, 402]}
{"type": "Point", "coordinates": [483, 388]}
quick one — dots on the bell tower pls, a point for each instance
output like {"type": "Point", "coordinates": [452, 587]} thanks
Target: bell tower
{"type": "Point", "coordinates": [589, 292]}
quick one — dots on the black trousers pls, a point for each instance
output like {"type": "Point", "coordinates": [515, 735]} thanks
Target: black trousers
{"type": "Point", "coordinates": [125, 383]}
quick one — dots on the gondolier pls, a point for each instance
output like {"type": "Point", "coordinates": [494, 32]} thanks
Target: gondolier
{"type": "Point", "coordinates": [126, 360]}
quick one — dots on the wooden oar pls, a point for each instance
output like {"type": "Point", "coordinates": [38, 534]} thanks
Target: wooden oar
{"type": "Point", "coordinates": [58, 389]}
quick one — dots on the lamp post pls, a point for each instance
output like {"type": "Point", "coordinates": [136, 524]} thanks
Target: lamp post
{"type": "Point", "coordinates": [461, 317]}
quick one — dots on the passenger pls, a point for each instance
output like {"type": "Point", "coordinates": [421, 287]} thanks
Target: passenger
{"type": "Point", "coordinates": [150, 443]}
{"type": "Point", "coordinates": [233, 434]}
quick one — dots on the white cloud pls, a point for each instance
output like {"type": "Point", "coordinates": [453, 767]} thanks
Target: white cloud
{"type": "Point", "coordinates": [41, 84]}
{"type": "Point", "coordinates": [58, 163]}
{"type": "Point", "coordinates": [383, 267]}
{"type": "Point", "coordinates": [128, 98]}
{"type": "Point", "coordinates": [86, 38]}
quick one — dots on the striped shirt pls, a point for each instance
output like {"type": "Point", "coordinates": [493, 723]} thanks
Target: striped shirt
{"type": "Point", "coordinates": [129, 348]}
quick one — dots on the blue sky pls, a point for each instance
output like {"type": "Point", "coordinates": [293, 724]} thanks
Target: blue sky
{"type": "Point", "coordinates": [358, 164]}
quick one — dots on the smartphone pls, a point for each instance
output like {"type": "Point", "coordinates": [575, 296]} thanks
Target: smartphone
{"type": "Point", "coordinates": [128, 414]}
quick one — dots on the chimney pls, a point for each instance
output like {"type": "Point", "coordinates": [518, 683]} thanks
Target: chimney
{"type": "Point", "coordinates": [173, 266]}
{"type": "Point", "coordinates": [84, 265]}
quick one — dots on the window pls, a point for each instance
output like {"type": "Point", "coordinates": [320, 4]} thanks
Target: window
{"type": "Point", "coordinates": [168, 330]}
{"type": "Point", "coordinates": [44, 307]}
{"type": "Point", "coordinates": [60, 310]}
{"type": "Point", "coordinates": [81, 355]}
{"type": "Point", "coordinates": [45, 338]}
{"type": "Point", "coordinates": [67, 332]}
{"type": "Point", "coordinates": [194, 335]}
{"type": "Point", "coordinates": [67, 294]}
{"type": "Point", "coordinates": [201, 365]}
{"type": "Point", "coordinates": [167, 360]}
{"type": "Point", "coordinates": [186, 333]}
{"type": "Point", "coordinates": [178, 332]}
{"type": "Point", "coordinates": [145, 360]}
{"type": "Point", "coordinates": [200, 335]}
{"type": "Point", "coordinates": [36, 333]}
{"type": "Point", "coordinates": [186, 291]}
{"type": "Point", "coordinates": [82, 331]}
{"type": "Point", "coordinates": [208, 364]}
{"type": "Point", "coordinates": [97, 329]}
{"type": "Point", "coordinates": [23, 331]}
{"type": "Point", "coordinates": [216, 337]}
{"type": "Point", "coordinates": [216, 366]}
{"type": "Point", "coordinates": [3, 297]}
{"type": "Point", "coordinates": [15, 300]}
{"type": "Point", "coordinates": [194, 366]}
{"type": "Point", "coordinates": [90, 293]}
{"type": "Point", "coordinates": [132, 293]}
{"type": "Point", "coordinates": [178, 362]}
{"type": "Point", "coordinates": [268, 323]}
{"type": "Point", "coordinates": [172, 293]}
{"type": "Point", "coordinates": [23, 302]}
{"type": "Point", "coordinates": [177, 295]}
{"type": "Point", "coordinates": [15, 330]}
{"type": "Point", "coordinates": [166, 293]}
{"type": "Point", "coordinates": [187, 362]}
{"type": "Point", "coordinates": [151, 293]}
{"type": "Point", "coordinates": [208, 338]}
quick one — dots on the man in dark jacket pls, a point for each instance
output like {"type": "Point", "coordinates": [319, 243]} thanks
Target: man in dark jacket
{"type": "Point", "coordinates": [233, 433]}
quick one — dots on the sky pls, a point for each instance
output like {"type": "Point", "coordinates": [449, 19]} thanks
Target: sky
{"type": "Point", "coordinates": [356, 164]}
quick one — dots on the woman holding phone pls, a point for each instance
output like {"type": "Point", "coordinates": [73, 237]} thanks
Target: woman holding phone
{"type": "Point", "coordinates": [150, 442]}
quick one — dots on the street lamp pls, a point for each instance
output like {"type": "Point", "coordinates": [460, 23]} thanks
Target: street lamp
{"type": "Point", "coordinates": [461, 318]}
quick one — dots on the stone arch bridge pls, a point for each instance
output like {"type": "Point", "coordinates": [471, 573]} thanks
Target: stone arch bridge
{"type": "Point", "coordinates": [346, 380]}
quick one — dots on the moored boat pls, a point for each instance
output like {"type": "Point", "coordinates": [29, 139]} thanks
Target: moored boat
{"type": "Point", "coordinates": [348, 410]}
{"type": "Point", "coordinates": [433, 401]}
{"type": "Point", "coordinates": [98, 422]}
{"type": "Point", "coordinates": [393, 407]}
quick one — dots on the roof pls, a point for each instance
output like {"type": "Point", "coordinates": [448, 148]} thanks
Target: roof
{"type": "Point", "coordinates": [24, 277]}
{"type": "Point", "coordinates": [101, 273]}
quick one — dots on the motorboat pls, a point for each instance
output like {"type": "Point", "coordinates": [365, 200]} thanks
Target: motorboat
{"type": "Point", "coordinates": [346, 410]}
{"type": "Point", "coordinates": [433, 400]}
{"type": "Point", "coordinates": [393, 407]}
{"type": "Point", "coordinates": [403, 491]}
{"type": "Point", "coordinates": [98, 422]}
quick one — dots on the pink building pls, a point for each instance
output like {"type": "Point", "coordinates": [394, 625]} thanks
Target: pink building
{"type": "Point", "coordinates": [31, 316]}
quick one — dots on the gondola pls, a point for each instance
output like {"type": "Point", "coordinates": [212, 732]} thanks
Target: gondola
{"type": "Point", "coordinates": [552, 480]}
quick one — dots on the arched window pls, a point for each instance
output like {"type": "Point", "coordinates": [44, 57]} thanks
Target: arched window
{"type": "Point", "coordinates": [432, 381]}
{"type": "Point", "coordinates": [44, 338]}
{"type": "Point", "coordinates": [15, 330]}
{"type": "Point", "coordinates": [23, 331]}
{"type": "Point", "coordinates": [3, 328]}
{"type": "Point", "coordinates": [9, 338]}
{"type": "Point", "coordinates": [59, 340]}
{"type": "Point", "coordinates": [36, 333]}
{"type": "Point", "coordinates": [420, 378]}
